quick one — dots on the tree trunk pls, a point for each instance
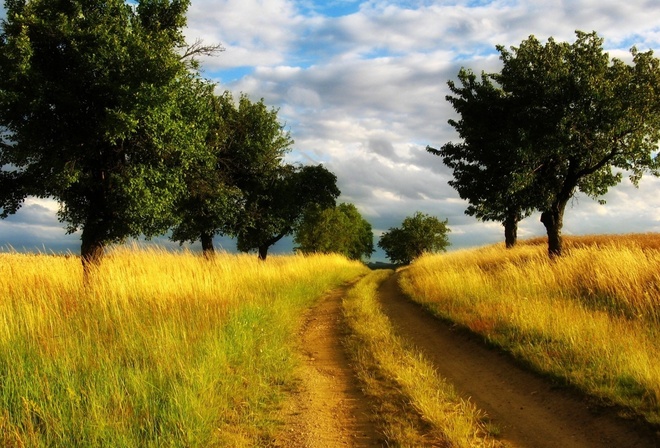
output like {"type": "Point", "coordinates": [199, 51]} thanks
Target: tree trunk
{"type": "Point", "coordinates": [511, 231]}
{"type": "Point", "coordinates": [207, 245]}
{"type": "Point", "coordinates": [263, 251]}
{"type": "Point", "coordinates": [92, 249]}
{"type": "Point", "coordinates": [553, 220]}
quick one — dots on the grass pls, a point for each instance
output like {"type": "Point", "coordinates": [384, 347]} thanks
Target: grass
{"type": "Point", "coordinates": [161, 349]}
{"type": "Point", "coordinates": [415, 406]}
{"type": "Point", "coordinates": [590, 318]}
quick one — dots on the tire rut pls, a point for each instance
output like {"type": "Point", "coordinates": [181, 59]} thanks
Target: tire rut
{"type": "Point", "coordinates": [528, 410]}
{"type": "Point", "coordinates": [328, 409]}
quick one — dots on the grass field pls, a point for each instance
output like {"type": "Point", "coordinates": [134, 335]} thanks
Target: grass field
{"type": "Point", "coordinates": [590, 319]}
{"type": "Point", "coordinates": [159, 349]}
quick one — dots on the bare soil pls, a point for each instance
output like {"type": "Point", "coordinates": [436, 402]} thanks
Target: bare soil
{"type": "Point", "coordinates": [329, 410]}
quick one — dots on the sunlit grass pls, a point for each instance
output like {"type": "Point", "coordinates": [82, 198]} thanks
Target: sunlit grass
{"type": "Point", "coordinates": [416, 407]}
{"type": "Point", "coordinates": [159, 349]}
{"type": "Point", "coordinates": [590, 317]}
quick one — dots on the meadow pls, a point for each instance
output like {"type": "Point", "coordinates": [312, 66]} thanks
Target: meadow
{"type": "Point", "coordinates": [157, 349]}
{"type": "Point", "coordinates": [589, 319]}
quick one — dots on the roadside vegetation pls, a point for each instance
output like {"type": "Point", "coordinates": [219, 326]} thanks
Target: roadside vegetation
{"type": "Point", "coordinates": [590, 319]}
{"type": "Point", "coordinates": [161, 349]}
{"type": "Point", "coordinates": [415, 407]}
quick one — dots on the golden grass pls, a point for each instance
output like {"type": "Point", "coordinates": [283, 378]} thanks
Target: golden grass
{"type": "Point", "coordinates": [416, 407]}
{"type": "Point", "coordinates": [590, 317]}
{"type": "Point", "coordinates": [160, 349]}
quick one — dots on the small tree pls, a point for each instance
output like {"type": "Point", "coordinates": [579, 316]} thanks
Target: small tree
{"type": "Point", "coordinates": [213, 203]}
{"type": "Point", "coordinates": [417, 235]}
{"type": "Point", "coordinates": [276, 210]}
{"type": "Point", "coordinates": [335, 230]}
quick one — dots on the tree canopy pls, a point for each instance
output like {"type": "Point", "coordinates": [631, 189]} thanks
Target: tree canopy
{"type": "Point", "coordinates": [96, 106]}
{"type": "Point", "coordinates": [339, 229]}
{"type": "Point", "coordinates": [574, 116]}
{"type": "Point", "coordinates": [418, 234]}
{"type": "Point", "coordinates": [275, 207]}
{"type": "Point", "coordinates": [488, 165]}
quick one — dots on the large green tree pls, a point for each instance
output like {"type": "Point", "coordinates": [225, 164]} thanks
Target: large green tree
{"type": "Point", "coordinates": [98, 110]}
{"type": "Point", "coordinates": [276, 208]}
{"type": "Point", "coordinates": [488, 165]}
{"type": "Point", "coordinates": [339, 229]}
{"type": "Point", "coordinates": [583, 115]}
{"type": "Point", "coordinates": [418, 234]}
{"type": "Point", "coordinates": [582, 119]}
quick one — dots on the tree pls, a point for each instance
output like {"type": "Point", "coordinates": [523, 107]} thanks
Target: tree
{"type": "Point", "coordinates": [339, 229]}
{"type": "Point", "coordinates": [418, 234]}
{"type": "Point", "coordinates": [587, 114]}
{"type": "Point", "coordinates": [274, 211]}
{"type": "Point", "coordinates": [97, 110]}
{"type": "Point", "coordinates": [212, 203]}
{"type": "Point", "coordinates": [581, 115]}
{"type": "Point", "coordinates": [488, 166]}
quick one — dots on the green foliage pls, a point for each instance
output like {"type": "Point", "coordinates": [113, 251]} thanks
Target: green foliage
{"type": "Point", "coordinates": [276, 210]}
{"type": "Point", "coordinates": [572, 116]}
{"type": "Point", "coordinates": [96, 106]}
{"type": "Point", "coordinates": [418, 234]}
{"type": "Point", "coordinates": [335, 230]}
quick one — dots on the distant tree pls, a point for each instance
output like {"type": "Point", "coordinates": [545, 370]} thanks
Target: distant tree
{"type": "Point", "coordinates": [489, 166]}
{"type": "Point", "coordinates": [418, 234]}
{"type": "Point", "coordinates": [97, 107]}
{"type": "Point", "coordinates": [579, 115]}
{"type": "Point", "coordinates": [275, 210]}
{"type": "Point", "coordinates": [339, 230]}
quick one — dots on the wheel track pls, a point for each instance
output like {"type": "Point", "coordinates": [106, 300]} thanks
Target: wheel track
{"type": "Point", "coordinates": [328, 410]}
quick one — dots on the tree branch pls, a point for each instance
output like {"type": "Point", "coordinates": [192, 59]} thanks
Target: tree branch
{"type": "Point", "coordinates": [198, 48]}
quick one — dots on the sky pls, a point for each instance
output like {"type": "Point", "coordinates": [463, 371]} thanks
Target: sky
{"type": "Point", "coordinates": [361, 87]}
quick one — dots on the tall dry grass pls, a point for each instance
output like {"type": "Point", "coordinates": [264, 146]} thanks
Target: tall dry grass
{"type": "Point", "coordinates": [416, 407]}
{"type": "Point", "coordinates": [160, 349]}
{"type": "Point", "coordinates": [590, 318]}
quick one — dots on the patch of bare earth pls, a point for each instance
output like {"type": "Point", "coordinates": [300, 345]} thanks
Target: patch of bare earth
{"type": "Point", "coordinates": [528, 409]}
{"type": "Point", "coordinates": [328, 409]}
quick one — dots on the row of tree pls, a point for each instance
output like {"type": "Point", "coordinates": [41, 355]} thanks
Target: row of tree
{"type": "Point", "coordinates": [557, 119]}
{"type": "Point", "coordinates": [102, 108]}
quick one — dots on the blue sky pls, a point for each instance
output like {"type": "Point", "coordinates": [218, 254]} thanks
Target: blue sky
{"type": "Point", "coordinates": [361, 87]}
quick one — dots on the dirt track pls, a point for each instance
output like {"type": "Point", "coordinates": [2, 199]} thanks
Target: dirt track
{"type": "Point", "coordinates": [330, 411]}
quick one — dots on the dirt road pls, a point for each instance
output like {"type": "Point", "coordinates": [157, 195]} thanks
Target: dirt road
{"type": "Point", "coordinates": [529, 411]}
{"type": "Point", "coordinates": [328, 410]}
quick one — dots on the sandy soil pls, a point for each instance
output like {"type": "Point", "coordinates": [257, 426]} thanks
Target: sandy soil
{"type": "Point", "coordinates": [328, 409]}
{"type": "Point", "coordinates": [529, 410]}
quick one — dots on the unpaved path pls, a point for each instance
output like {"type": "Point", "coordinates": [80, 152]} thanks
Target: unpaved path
{"type": "Point", "coordinates": [529, 411]}
{"type": "Point", "coordinates": [328, 409]}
